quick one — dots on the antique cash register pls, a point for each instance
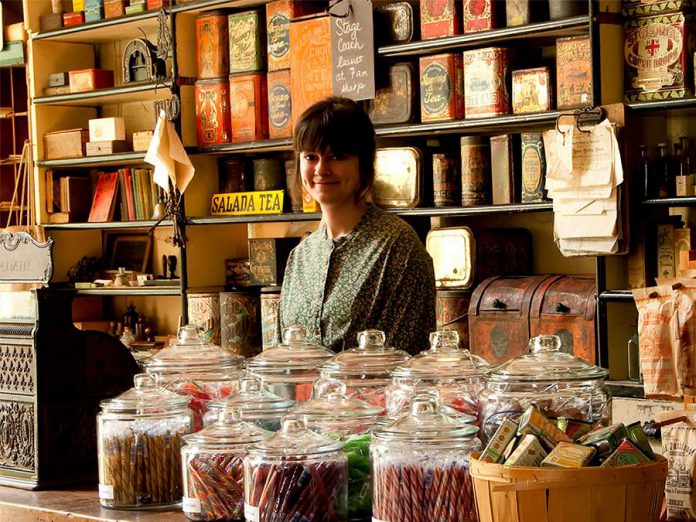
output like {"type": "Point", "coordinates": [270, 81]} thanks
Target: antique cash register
{"type": "Point", "coordinates": [52, 375]}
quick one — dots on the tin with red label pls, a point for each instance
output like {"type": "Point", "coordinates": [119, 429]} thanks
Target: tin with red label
{"type": "Point", "coordinates": [446, 180]}
{"type": "Point", "coordinates": [442, 87]}
{"type": "Point", "coordinates": [212, 111]}
{"type": "Point", "coordinates": [531, 90]}
{"type": "Point", "coordinates": [248, 107]}
{"type": "Point", "coordinates": [476, 170]}
{"type": "Point", "coordinates": [440, 18]}
{"type": "Point", "coordinates": [247, 37]}
{"type": "Point", "coordinates": [451, 312]}
{"type": "Point", "coordinates": [70, 19]}
{"type": "Point", "coordinates": [656, 51]}
{"type": "Point", "coordinates": [479, 15]}
{"type": "Point", "coordinates": [574, 72]}
{"type": "Point", "coordinates": [279, 105]}
{"type": "Point", "coordinates": [486, 82]}
{"type": "Point", "coordinates": [212, 45]}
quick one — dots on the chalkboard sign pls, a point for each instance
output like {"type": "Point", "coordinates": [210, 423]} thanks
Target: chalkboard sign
{"type": "Point", "coordinates": [352, 49]}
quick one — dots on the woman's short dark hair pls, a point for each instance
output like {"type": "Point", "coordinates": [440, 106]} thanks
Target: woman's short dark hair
{"type": "Point", "coordinates": [341, 125]}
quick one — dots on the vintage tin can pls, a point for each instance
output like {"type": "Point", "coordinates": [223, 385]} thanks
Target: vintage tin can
{"type": "Point", "coordinates": [476, 170]}
{"type": "Point", "coordinates": [454, 256]}
{"type": "Point", "coordinates": [559, 9]}
{"type": "Point", "coordinates": [279, 105]}
{"type": "Point", "coordinates": [504, 435]}
{"type": "Point", "coordinates": [504, 162]}
{"type": "Point", "coordinates": [248, 107]}
{"type": "Point", "coordinates": [396, 101]}
{"type": "Point", "coordinates": [204, 312]}
{"type": "Point", "coordinates": [212, 45]}
{"type": "Point", "coordinates": [239, 322]}
{"type": "Point", "coordinates": [533, 168]}
{"type": "Point", "coordinates": [247, 42]}
{"type": "Point", "coordinates": [267, 258]}
{"type": "Point", "coordinates": [568, 455]}
{"type": "Point", "coordinates": [440, 18]}
{"type": "Point", "coordinates": [237, 272]}
{"type": "Point", "coordinates": [452, 312]}
{"type": "Point", "coordinates": [70, 19]}
{"type": "Point", "coordinates": [212, 111]}
{"type": "Point", "coordinates": [50, 22]}
{"type": "Point", "coordinates": [657, 55]}
{"type": "Point", "coordinates": [486, 82]}
{"type": "Point", "coordinates": [309, 204]}
{"type": "Point", "coordinates": [294, 186]}
{"type": "Point", "coordinates": [270, 306]}
{"type": "Point", "coordinates": [518, 12]}
{"type": "Point", "coordinates": [155, 4]}
{"type": "Point", "coordinates": [278, 16]}
{"type": "Point", "coordinates": [442, 87]}
{"type": "Point", "coordinates": [479, 15]}
{"type": "Point", "coordinates": [395, 23]}
{"type": "Point", "coordinates": [531, 90]}
{"type": "Point", "coordinates": [269, 174]}
{"type": "Point", "coordinates": [94, 10]}
{"type": "Point", "coordinates": [534, 422]}
{"type": "Point", "coordinates": [574, 87]}
{"type": "Point", "coordinates": [627, 454]}
{"type": "Point", "coordinates": [529, 452]}
{"type": "Point", "coordinates": [114, 8]}
{"type": "Point", "coordinates": [233, 175]}
{"type": "Point", "coordinates": [446, 180]}
{"type": "Point", "coordinates": [398, 177]}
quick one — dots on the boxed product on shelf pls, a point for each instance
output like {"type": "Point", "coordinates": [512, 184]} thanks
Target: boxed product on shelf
{"type": "Point", "coordinates": [269, 174]}
{"type": "Point", "coordinates": [486, 91]}
{"type": "Point", "coordinates": [105, 147]}
{"type": "Point", "coordinates": [475, 152]}
{"type": "Point", "coordinates": [212, 45]}
{"type": "Point", "coordinates": [481, 15]}
{"type": "Point", "coordinates": [76, 18]}
{"type": "Point", "coordinates": [395, 101]}
{"type": "Point", "coordinates": [107, 129]}
{"type": "Point", "coordinates": [574, 84]}
{"type": "Point", "coordinates": [441, 87]}
{"type": "Point", "coordinates": [398, 177]}
{"type": "Point", "coordinates": [94, 10]}
{"type": "Point", "coordinates": [71, 143]}
{"type": "Point", "coordinates": [78, 5]}
{"type": "Point", "coordinates": [114, 8]}
{"type": "Point", "coordinates": [440, 18]}
{"type": "Point", "coordinates": [531, 90]}
{"type": "Point", "coordinates": [155, 4]}
{"type": "Point", "coordinates": [141, 140]}
{"type": "Point", "coordinates": [86, 80]}
{"type": "Point", "coordinates": [50, 22]}
{"type": "Point", "coordinates": [278, 16]}
{"type": "Point", "coordinates": [267, 259]}
{"type": "Point", "coordinates": [279, 104]}
{"type": "Point", "coordinates": [59, 79]}
{"type": "Point", "coordinates": [505, 162]}
{"type": "Point", "coordinates": [212, 111]}
{"type": "Point", "coordinates": [248, 107]}
{"type": "Point", "coordinates": [533, 168]}
{"type": "Point", "coordinates": [12, 54]}
{"type": "Point", "coordinates": [447, 175]}
{"type": "Point", "coordinates": [247, 37]}
{"type": "Point", "coordinates": [136, 7]}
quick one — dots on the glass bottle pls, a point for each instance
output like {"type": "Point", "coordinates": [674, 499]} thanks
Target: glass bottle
{"type": "Point", "coordinates": [127, 337]}
{"type": "Point", "coordinates": [690, 162]}
{"type": "Point", "coordinates": [649, 189]}
{"type": "Point", "coordinates": [663, 172]}
{"type": "Point", "coordinates": [634, 373]}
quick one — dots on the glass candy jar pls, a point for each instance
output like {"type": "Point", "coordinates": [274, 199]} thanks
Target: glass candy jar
{"type": "Point", "coordinates": [139, 439]}
{"type": "Point", "coordinates": [289, 369]}
{"type": "Point", "coordinates": [559, 384]}
{"type": "Point", "coordinates": [365, 369]}
{"type": "Point", "coordinates": [296, 474]}
{"type": "Point", "coordinates": [213, 467]}
{"type": "Point", "coordinates": [257, 404]}
{"type": "Point", "coordinates": [457, 374]}
{"type": "Point", "coordinates": [332, 413]}
{"type": "Point", "coordinates": [201, 371]}
{"type": "Point", "coordinates": [420, 466]}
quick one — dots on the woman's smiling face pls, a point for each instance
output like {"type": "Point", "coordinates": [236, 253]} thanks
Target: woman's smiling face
{"type": "Point", "coordinates": [333, 180]}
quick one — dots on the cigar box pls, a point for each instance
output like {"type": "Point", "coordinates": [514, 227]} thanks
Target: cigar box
{"type": "Point", "coordinates": [279, 104]}
{"type": "Point", "coordinates": [91, 79]}
{"type": "Point", "coordinates": [486, 91]}
{"type": "Point", "coordinates": [69, 143]}
{"type": "Point", "coordinates": [212, 111]}
{"type": "Point", "coordinates": [567, 455]}
{"type": "Point", "coordinates": [440, 18]}
{"type": "Point", "coordinates": [94, 10]}
{"type": "Point", "coordinates": [267, 259]}
{"type": "Point", "coordinates": [442, 89]}
{"type": "Point", "coordinates": [278, 16]}
{"type": "Point", "coordinates": [114, 8]}
{"type": "Point", "coordinates": [247, 42]}
{"type": "Point", "coordinates": [529, 452]}
{"type": "Point", "coordinates": [396, 100]}
{"type": "Point", "coordinates": [480, 15]}
{"type": "Point", "coordinates": [60, 79]}
{"type": "Point", "coordinates": [395, 23]}
{"type": "Point", "coordinates": [141, 140]}
{"type": "Point", "coordinates": [248, 107]}
{"type": "Point", "coordinates": [533, 168]}
{"type": "Point", "coordinates": [50, 22]}
{"type": "Point", "coordinates": [665, 250]}
{"type": "Point", "coordinates": [398, 177]}
{"type": "Point", "coordinates": [107, 129]}
{"type": "Point", "coordinates": [574, 87]}
{"type": "Point", "coordinates": [531, 90]}
{"type": "Point", "coordinates": [503, 436]}
{"type": "Point", "coordinates": [212, 45]}
{"type": "Point", "coordinates": [102, 148]}
{"type": "Point", "coordinates": [70, 19]}
{"type": "Point", "coordinates": [505, 161]}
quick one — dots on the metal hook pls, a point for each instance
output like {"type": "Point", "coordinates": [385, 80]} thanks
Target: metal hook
{"type": "Point", "coordinates": [334, 3]}
{"type": "Point", "coordinates": [583, 117]}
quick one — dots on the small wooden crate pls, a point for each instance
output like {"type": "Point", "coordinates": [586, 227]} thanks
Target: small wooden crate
{"type": "Point", "coordinates": [527, 494]}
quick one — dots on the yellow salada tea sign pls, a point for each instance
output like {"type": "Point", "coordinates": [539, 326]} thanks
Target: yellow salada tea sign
{"type": "Point", "coordinates": [244, 203]}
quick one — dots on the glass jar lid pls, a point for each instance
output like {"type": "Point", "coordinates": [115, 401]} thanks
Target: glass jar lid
{"type": "Point", "coordinates": [295, 353]}
{"type": "Point", "coordinates": [330, 402]}
{"type": "Point", "coordinates": [253, 398]}
{"type": "Point", "coordinates": [370, 357]}
{"type": "Point", "coordinates": [192, 355]}
{"type": "Point", "coordinates": [444, 360]}
{"type": "Point", "coordinates": [146, 397]}
{"type": "Point", "coordinates": [427, 423]}
{"type": "Point", "coordinates": [295, 439]}
{"type": "Point", "coordinates": [228, 430]}
{"type": "Point", "coordinates": [543, 362]}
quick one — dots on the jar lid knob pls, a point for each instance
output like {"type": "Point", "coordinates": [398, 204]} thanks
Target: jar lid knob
{"type": "Point", "coordinates": [249, 383]}
{"type": "Point", "coordinates": [444, 339]}
{"type": "Point", "coordinates": [371, 339]}
{"type": "Point", "coordinates": [292, 423]}
{"type": "Point", "coordinates": [229, 415]}
{"type": "Point", "coordinates": [188, 334]}
{"type": "Point", "coordinates": [294, 334]}
{"type": "Point", "coordinates": [329, 389]}
{"type": "Point", "coordinates": [425, 402]}
{"type": "Point", "coordinates": [545, 343]}
{"type": "Point", "coordinates": [145, 380]}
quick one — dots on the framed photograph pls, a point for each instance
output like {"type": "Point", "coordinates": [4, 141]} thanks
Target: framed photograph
{"type": "Point", "coordinates": [130, 251]}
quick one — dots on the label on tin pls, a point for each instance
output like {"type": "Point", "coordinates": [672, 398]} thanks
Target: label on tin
{"type": "Point", "coordinates": [436, 86]}
{"type": "Point", "coordinates": [242, 203]}
{"type": "Point", "coordinates": [279, 35]}
{"type": "Point", "coordinates": [279, 105]}
{"type": "Point", "coordinates": [106, 492]}
{"type": "Point", "coordinates": [244, 42]}
{"type": "Point", "coordinates": [251, 513]}
{"type": "Point", "coordinates": [651, 50]}
{"type": "Point", "coordinates": [191, 505]}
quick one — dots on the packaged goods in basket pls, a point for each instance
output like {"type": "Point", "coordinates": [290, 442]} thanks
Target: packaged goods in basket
{"type": "Point", "coordinates": [567, 455]}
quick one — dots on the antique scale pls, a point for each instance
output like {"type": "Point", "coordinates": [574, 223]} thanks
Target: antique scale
{"type": "Point", "coordinates": [52, 375]}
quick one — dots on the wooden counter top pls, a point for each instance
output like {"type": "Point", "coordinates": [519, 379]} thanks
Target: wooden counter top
{"type": "Point", "coordinates": [17, 505]}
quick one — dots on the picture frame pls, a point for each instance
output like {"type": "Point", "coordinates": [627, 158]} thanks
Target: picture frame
{"type": "Point", "coordinates": [130, 251]}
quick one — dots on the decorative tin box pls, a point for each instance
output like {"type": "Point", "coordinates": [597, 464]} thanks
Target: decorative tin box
{"type": "Point", "coordinates": [248, 107]}
{"type": "Point", "coordinates": [278, 16]}
{"type": "Point", "coordinates": [486, 82]}
{"type": "Point", "coordinates": [398, 177]}
{"type": "Point", "coordinates": [533, 168]}
{"type": "Point", "coordinates": [212, 45]}
{"type": "Point", "coordinates": [94, 10]}
{"type": "Point", "coordinates": [395, 102]}
{"type": "Point", "coordinates": [105, 129]}
{"type": "Point", "coordinates": [531, 90]}
{"type": "Point", "coordinates": [446, 180]}
{"type": "Point", "coordinates": [70, 19]}
{"type": "Point", "coordinates": [114, 8]}
{"type": "Point", "coordinates": [440, 18]}
{"type": "Point", "coordinates": [240, 322]}
{"type": "Point", "coordinates": [269, 174]}
{"type": "Point", "coordinates": [279, 104]}
{"type": "Point", "coordinates": [395, 22]}
{"type": "Point", "coordinates": [70, 143]}
{"type": "Point", "coordinates": [268, 257]}
{"type": "Point", "coordinates": [233, 175]}
{"type": "Point", "coordinates": [574, 87]}
{"type": "Point", "coordinates": [442, 87]}
{"type": "Point", "coordinates": [520, 12]}
{"type": "Point", "coordinates": [247, 42]}
{"type": "Point", "coordinates": [505, 160]}
{"type": "Point", "coordinates": [91, 79]}
{"type": "Point", "coordinates": [476, 170]}
{"type": "Point", "coordinates": [212, 111]}
{"type": "Point", "coordinates": [480, 15]}
{"type": "Point", "coordinates": [452, 312]}
{"type": "Point", "coordinates": [50, 22]}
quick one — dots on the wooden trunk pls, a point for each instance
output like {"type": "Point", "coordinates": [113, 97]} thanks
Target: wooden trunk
{"type": "Point", "coordinates": [566, 306]}
{"type": "Point", "coordinates": [212, 111]}
{"type": "Point", "coordinates": [212, 45]}
{"type": "Point", "coordinates": [248, 107]}
{"type": "Point", "coordinates": [499, 316]}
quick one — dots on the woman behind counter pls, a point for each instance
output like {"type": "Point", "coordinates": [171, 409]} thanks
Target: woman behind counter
{"type": "Point", "coordinates": [363, 268]}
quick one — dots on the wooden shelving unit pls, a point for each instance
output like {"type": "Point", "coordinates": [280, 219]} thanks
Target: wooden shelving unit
{"type": "Point", "coordinates": [125, 94]}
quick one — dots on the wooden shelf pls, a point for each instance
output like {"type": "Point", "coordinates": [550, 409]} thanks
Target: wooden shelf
{"type": "Point", "coordinates": [685, 201]}
{"type": "Point", "coordinates": [131, 292]}
{"type": "Point", "coordinates": [106, 30]}
{"type": "Point", "coordinates": [207, 5]}
{"type": "Point", "coordinates": [663, 105]}
{"type": "Point", "coordinates": [127, 158]}
{"type": "Point", "coordinates": [630, 389]}
{"type": "Point", "coordinates": [123, 94]}
{"type": "Point", "coordinates": [113, 225]}
{"type": "Point", "coordinates": [543, 30]}
{"type": "Point", "coordinates": [246, 147]}
{"type": "Point", "coordinates": [617, 296]}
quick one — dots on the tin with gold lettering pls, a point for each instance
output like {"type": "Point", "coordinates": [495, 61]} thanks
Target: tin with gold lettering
{"type": "Point", "coordinates": [476, 170]}
{"type": "Point", "coordinates": [480, 15]}
{"type": "Point", "coordinates": [278, 16]}
{"type": "Point", "coordinates": [279, 105]}
{"type": "Point", "coordinates": [574, 87]}
{"type": "Point", "coordinates": [446, 180]}
{"type": "Point", "coordinates": [270, 304]}
{"type": "Point", "coordinates": [442, 87]}
{"type": "Point", "coordinates": [212, 45]}
{"type": "Point", "coordinates": [533, 168]}
{"type": "Point", "coordinates": [248, 107]}
{"type": "Point", "coordinates": [239, 322]}
{"type": "Point", "coordinates": [395, 23]}
{"type": "Point", "coordinates": [486, 80]}
{"type": "Point", "coordinates": [397, 100]}
{"type": "Point", "coordinates": [531, 90]}
{"type": "Point", "coordinates": [247, 37]}
{"type": "Point", "coordinates": [440, 18]}
{"type": "Point", "coordinates": [212, 111]}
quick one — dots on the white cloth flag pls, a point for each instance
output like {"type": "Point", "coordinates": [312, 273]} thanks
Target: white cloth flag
{"type": "Point", "coordinates": [166, 153]}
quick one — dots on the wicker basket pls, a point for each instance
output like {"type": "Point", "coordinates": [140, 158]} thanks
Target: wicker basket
{"type": "Point", "coordinates": [593, 494]}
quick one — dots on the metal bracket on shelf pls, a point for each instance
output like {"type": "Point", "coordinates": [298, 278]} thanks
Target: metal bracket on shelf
{"type": "Point", "coordinates": [171, 107]}
{"type": "Point", "coordinates": [164, 36]}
